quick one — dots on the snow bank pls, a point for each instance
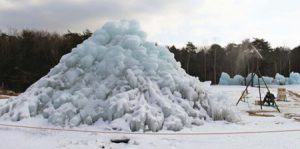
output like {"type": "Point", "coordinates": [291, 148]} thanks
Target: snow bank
{"type": "Point", "coordinates": [221, 109]}
{"type": "Point", "coordinates": [118, 77]}
{"type": "Point", "coordinates": [278, 80]}
{"type": "Point", "coordinates": [294, 78]}
{"type": "Point", "coordinates": [226, 80]}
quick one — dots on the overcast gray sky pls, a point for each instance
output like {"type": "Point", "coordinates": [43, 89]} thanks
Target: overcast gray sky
{"type": "Point", "coordinates": [165, 21]}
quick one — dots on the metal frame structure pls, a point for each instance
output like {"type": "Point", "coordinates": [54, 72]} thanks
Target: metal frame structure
{"type": "Point", "coordinates": [257, 71]}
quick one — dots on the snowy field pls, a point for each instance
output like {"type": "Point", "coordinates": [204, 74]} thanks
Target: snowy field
{"type": "Point", "coordinates": [15, 138]}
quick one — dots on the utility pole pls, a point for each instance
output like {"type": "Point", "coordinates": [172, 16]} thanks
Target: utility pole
{"type": "Point", "coordinates": [205, 65]}
{"type": "Point", "coordinates": [289, 61]}
{"type": "Point", "coordinates": [188, 61]}
{"type": "Point", "coordinates": [215, 65]}
{"type": "Point", "coordinates": [289, 57]}
{"type": "Point", "coordinates": [204, 49]}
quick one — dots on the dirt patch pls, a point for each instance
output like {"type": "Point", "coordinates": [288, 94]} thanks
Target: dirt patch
{"type": "Point", "coordinates": [261, 113]}
{"type": "Point", "coordinates": [291, 93]}
{"type": "Point", "coordinates": [3, 97]}
{"type": "Point", "coordinates": [8, 92]}
{"type": "Point", "coordinates": [294, 116]}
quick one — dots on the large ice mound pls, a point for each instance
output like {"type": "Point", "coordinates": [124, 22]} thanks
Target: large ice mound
{"type": "Point", "coordinates": [118, 77]}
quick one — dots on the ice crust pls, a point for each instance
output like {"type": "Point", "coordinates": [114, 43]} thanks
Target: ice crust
{"type": "Point", "coordinates": [293, 79]}
{"type": "Point", "coordinates": [118, 77]}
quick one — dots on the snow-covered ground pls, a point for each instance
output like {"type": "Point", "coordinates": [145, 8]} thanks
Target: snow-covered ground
{"type": "Point", "coordinates": [13, 138]}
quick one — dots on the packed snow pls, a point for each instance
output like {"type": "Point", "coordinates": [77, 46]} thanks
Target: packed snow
{"type": "Point", "coordinates": [293, 79]}
{"type": "Point", "coordinates": [118, 77]}
{"type": "Point", "coordinates": [13, 138]}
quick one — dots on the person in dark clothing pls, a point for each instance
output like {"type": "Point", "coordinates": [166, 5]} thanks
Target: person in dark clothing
{"type": "Point", "coordinates": [269, 99]}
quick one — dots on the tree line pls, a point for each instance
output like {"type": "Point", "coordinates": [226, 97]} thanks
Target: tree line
{"type": "Point", "coordinates": [207, 63]}
{"type": "Point", "coordinates": [27, 55]}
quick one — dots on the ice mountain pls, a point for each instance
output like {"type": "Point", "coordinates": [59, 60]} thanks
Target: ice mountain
{"type": "Point", "coordinates": [118, 77]}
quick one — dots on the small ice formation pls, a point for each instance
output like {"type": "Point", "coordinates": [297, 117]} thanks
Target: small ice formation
{"type": "Point", "coordinates": [118, 77]}
{"type": "Point", "coordinates": [293, 79]}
